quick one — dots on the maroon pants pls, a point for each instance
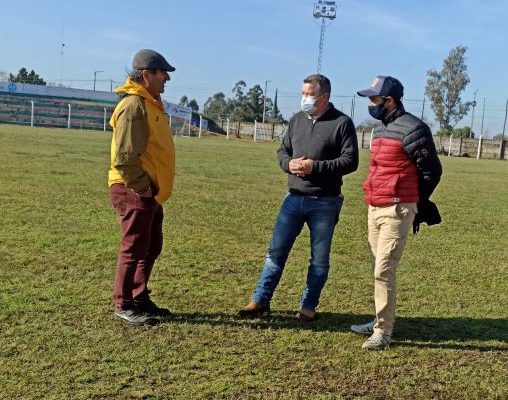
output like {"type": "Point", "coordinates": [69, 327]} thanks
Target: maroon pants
{"type": "Point", "coordinates": [141, 243]}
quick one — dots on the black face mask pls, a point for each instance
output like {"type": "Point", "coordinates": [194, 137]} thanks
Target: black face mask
{"type": "Point", "coordinates": [378, 112]}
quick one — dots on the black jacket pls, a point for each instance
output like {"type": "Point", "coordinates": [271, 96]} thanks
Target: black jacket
{"type": "Point", "coordinates": [419, 145]}
{"type": "Point", "coordinates": [330, 142]}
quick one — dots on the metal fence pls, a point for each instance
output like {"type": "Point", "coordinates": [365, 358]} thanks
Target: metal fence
{"type": "Point", "coordinates": [458, 147]}
{"type": "Point", "coordinates": [72, 113]}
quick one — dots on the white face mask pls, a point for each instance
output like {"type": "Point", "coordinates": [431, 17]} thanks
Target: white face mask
{"type": "Point", "coordinates": [308, 104]}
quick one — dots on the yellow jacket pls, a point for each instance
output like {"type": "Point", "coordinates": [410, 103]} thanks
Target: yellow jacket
{"type": "Point", "coordinates": [142, 148]}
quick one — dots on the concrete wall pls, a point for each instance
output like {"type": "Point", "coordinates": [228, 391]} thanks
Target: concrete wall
{"type": "Point", "coordinates": [55, 91]}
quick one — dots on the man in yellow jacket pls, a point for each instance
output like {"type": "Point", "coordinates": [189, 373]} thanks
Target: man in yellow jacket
{"type": "Point", "coordinates": [140, 181]}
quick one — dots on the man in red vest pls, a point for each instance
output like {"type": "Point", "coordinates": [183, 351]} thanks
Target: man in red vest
{"type": "Point", "coordinates": [404, 171]}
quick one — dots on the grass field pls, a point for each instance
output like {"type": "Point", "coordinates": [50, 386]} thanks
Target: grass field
{"type": "Point", "coordinates": [58, 245]}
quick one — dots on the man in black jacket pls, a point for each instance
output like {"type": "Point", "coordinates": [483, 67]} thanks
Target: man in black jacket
{"type": "Point", "coordinates": [320, 147]}
{"type": "Point", "coordinates": [404, 171]}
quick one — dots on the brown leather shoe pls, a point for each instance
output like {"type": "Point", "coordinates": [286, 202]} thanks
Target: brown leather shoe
{"type": "Point", "coordinates": [254, 310]}
{"type": "Point", "coordinates": [305, 315]}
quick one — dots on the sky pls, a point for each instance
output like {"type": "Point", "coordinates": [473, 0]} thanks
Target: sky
{"type": "Point", "coordinates": [214, 44]}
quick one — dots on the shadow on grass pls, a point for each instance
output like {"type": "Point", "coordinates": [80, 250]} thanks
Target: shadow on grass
{"type": "Point", "coordinates": [425, 332]}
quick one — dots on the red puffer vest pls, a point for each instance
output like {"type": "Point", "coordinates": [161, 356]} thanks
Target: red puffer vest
{"type": "Point", "coordinates": [393, 177]}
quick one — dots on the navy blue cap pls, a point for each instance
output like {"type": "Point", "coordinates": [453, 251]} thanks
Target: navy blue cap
{"type": "Point", "coordinates": [150, 59]}
{"type": "Point", "coordinates": [385, 86]}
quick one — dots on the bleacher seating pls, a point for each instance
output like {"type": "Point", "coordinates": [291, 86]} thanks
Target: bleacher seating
{"type": "Point", "coordinates": [53, 111]}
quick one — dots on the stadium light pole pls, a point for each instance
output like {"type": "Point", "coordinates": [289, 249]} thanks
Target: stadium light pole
{"type": "Point", "coordinates": [264, 101]}
{"type": "Point", "coordinates": [61, 63]}
{"type": "Point", "coordinates": [95, 78]}
{"type": "Point", "coordinates": [323, 10]}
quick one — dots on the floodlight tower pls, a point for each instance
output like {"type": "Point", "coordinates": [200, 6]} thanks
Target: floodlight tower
{"type": "Point", "coordinates": [323, 10]}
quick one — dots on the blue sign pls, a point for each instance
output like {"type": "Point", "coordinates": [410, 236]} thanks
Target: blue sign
{"type": "Point", "coordinates": [12, 87]}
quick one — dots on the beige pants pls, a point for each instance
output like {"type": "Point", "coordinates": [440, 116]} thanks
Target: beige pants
{"type": "Point", "coordinates": [388, 230]}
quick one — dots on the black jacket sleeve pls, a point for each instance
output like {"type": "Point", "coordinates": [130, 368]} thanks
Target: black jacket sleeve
{"type": "Point", "coordinates": [285, 152]}
{"type": "Point", "coordinates": [422, 150]}
{"type": "Point", "coordinates": [347, 162]}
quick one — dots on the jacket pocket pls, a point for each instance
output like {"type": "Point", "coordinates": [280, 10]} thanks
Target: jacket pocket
{"type": "Point", "coordinates": [366, 185]}
{"type": "Point", "coordinates": [394, 185]}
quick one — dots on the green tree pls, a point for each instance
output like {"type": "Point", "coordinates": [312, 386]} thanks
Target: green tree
{"type": "Point", "coordinates": [194, 105]}
{"type": "Point", "coordinates": [464, 132]}
{"type": "Point", "coordinates": [444, 88]}
{"type": "Point", "coordinates": [216, 106]}
{"type": "Point", "coordinates": [245, 105]}
{"type": "Point", "coordinates": [237, 103]}
{"type": "Point", "coordinates": [239, 90]}
{"type": "Point", "coordinates": [456, 133]}
{"type": "Point", "coordinates": [276, 116]}
{"type": "Point", "coordinates": [24, 76]}
{"type": "Point", "coordinates": [254, 101]}
{"type": "Point", "coordinates": [184, 100]}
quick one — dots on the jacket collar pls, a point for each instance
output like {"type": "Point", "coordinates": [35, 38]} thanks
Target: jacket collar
{"type": "Point", "coordinates": [394, 114]}
{"type": "Point", "coordinates": [130, 87]}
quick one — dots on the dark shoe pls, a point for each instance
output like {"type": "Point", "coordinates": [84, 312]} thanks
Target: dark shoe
{"type": "Point", "coordinates": [150, 309]}
{"type": "Point", "coordinates": [254, 310]}
{"type": "Point", "coordinates": [365, 329]}
{"type": "Point", "coordinates": [134, 317]}
{"type": "Point", "coordinates": [307, 315]}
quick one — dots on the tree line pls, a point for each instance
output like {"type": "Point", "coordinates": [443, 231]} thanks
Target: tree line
{"type": "Point", "coordinates": [444, 88]}
{"type": "Point", "coordinates": [23, 76]}
{"type": "Point", "coordinates": [246, 105]}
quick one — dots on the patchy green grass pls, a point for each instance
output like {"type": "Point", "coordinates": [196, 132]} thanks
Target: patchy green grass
{"type": "Point", "coordinates": [58, 245]}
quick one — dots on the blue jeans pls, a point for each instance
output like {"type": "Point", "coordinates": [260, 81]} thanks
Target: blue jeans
{"type": "Point", "coordinates": [321, 213]}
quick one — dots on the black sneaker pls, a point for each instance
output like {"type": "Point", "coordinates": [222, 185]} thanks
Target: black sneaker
{"type": "Point", "coordinates": [150, 309]}
{"type": "Point", "coordinates": [134, 317]}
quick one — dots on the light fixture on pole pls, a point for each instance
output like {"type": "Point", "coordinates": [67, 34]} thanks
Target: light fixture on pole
{"type": "Point", "coordinates": [323, 10]}
{"type": "Point", "coordinates": [264, 100]}
{"type": "Point", "coordinates": [95, 78]}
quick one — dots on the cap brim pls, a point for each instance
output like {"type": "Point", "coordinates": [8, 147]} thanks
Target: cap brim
{"type": "Point", "coordinates": [367, 93]}
{"type": "Point", "coordinates": [170, 68]}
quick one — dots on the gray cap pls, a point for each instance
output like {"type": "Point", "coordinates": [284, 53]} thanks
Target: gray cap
{"type": "Point", "coordinates": [150, 59]}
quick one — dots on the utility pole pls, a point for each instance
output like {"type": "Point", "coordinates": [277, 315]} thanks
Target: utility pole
{"type": "Point", "coordinates": [353, 108]}
{"type": "Point", "coordinates": [324, 10]}
{"type": "Point", "coordinates": [501, 146]}
{"type": "Point", "coordinates": [423, 106]}
{"type": "Point", "coordinates": [504, 125]}
{"type": "Point", "coordinates": [264, 100]}
{"type": "Point", "coordinates": [472, 115]}
{"type": "Point", "coordinates": [483, 117]}
{"type": "Point", "coordinates": [352, 114]}
{"type": "Point", "coordinates": [95, 78]}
